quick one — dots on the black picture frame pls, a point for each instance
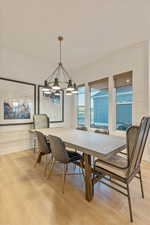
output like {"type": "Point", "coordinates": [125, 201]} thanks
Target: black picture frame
{"type": "Point", "coordinates": [39, 100]}
{"type": "Point", "coordinates": [34, 98]}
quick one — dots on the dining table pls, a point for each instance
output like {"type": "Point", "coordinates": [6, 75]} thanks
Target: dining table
{"type": "Point", "coordinates": [91, 144]}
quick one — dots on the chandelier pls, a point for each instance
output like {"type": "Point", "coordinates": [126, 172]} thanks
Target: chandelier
{"type": "Point", "coordinates": [59, 79]}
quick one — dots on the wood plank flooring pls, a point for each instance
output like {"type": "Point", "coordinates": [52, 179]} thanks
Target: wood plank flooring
{"type": "Point", "coordinates": [27, 198]}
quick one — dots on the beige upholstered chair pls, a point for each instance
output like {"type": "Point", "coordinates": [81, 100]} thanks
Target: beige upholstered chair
{"type": "Point", "coordinates": [44, 148]}
{"type": "Point", "coordinates": [39, 121]}
{"type": "Point", "coordinates": [61, 155]}
{"type": "Point", "coordinates": [124, 169]}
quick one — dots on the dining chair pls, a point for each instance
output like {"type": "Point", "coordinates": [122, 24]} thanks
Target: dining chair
{"type": "Point", "coordinates": [124, 169]}
{"type": "Point", "coordinates": [63, 156]}
{"type": "Point", "coordinates": [82, 128]}
{"type": "Point", "coordinates": [44, 149]}
{"type": "Point", "coordinates": [102, 131]}
{"type": "Point", "coordinates": [39, 121]}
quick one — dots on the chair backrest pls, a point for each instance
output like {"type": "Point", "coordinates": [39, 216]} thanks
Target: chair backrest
{"type": "Point", "coordinates": [58, 149]}
{"type": "Point", "coordinates": [42, 143]}
{"type": "Point", "coordinates": [132, 134]}
{"type": "Point", "coordinates": [139, 145]}
{"type": "Point", "coordinates": [82, 128]}
{"type": "Point", "coordinates": [40, 121]}
{"type": "Point", "coordinates": [102, 131]}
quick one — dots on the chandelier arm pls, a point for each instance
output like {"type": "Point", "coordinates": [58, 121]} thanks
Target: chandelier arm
{"type": "Point", "coordinates": [58, 72]}
{"type": "Point", "coordinates": [66, 73]}
{"type": "Point", "coordinates": [53, 73]}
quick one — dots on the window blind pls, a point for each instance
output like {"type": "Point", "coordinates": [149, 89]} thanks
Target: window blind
{"type": "Point", "coordinates": [99, 84]}
{"type": "Point", "coordinates": [80, 85]}
{"type": "Point", "coordinates": [123, 79]}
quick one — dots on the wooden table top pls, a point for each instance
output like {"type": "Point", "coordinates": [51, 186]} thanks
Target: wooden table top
{"type": "Point", "coordinates": [98, 145]}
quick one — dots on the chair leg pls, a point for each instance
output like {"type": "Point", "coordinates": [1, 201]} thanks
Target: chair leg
{"type": "Point", "coordinates": [141, 183]}
{"type": "Point", "coordinates": [35, 163]}
{"type": "Point", "coordinates": [74, 165]}
{"type": "Point", "coordinates": [34, 146]}
{"type": "Point", "coordinates": [129, 202]}
{"type": "Point", "coordinates": [64, 176]}
{"type": "Point", "coordinates": [93, 161]}
{"type": "Point", "coordinates": [81, 164]}
{"type": "Point", "coordinates": [51, 167]}
{"type": "Point", "coordinates": [38, 159]}
{"type": "Point", "coordinates": [46, 164]}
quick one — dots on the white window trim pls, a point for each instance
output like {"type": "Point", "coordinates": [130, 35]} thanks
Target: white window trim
{"type": "Point", "coordinates": [77, 107]}
{"type": "Point", "coordinates": [124, 103]}
{"type": "Point", "coordinates": [121, 103]}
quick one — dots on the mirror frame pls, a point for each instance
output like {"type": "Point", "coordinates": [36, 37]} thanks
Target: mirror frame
{"type": "Point", "coordinates": [39, 100]}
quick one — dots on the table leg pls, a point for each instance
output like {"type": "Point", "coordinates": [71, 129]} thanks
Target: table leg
{"type": "Point", "coordinates": [89, 190]}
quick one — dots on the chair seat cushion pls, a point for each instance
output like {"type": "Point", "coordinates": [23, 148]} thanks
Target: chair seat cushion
{"type": "Point", "coordinates": [116, 164]}
{"type": "Point", "coordinates": [74, 156]}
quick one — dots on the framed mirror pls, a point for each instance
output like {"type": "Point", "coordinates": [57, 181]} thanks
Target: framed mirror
{"type": "Point", "coordinates": [52, 105]}
{"type": "Point", "coordinates": [17, 102]}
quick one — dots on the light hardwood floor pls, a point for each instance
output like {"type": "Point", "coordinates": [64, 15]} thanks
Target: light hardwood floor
{"type": "Point", "coordinates": [26, 198]}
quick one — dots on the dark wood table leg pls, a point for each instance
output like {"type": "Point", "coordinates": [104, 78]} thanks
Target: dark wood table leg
{"type": "Point", "coordinates": [89, 190]}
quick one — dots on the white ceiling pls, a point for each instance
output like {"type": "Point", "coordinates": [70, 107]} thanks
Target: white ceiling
{"type": "Point", "coordinates": [91, 28]}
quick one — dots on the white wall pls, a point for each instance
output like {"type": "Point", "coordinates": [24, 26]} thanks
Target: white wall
{"type": "Point", "coordinates": [133, 58]}
{"type": "Point", "coordinates": [15, 65]}
{"type": "Point", "coordinates": [21, 67]}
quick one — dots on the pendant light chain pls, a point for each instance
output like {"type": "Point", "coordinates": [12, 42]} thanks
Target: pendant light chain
{"type": "Point", "coordinates": [60, 51]}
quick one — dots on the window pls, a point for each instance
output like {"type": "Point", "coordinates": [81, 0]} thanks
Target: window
{"type": "Point", "coordinates": [123, 84]}
{"type": "Point", "coordinates": [99, 103]}
{"type": "Point", "coordinates": [81, 106]}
